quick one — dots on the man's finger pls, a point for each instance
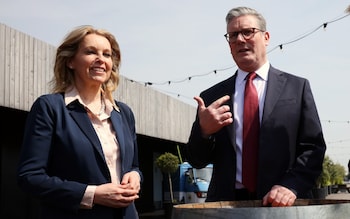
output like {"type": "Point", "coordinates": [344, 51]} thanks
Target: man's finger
{"type": "Point", "coordinates": [200, 101]}
{"type": "Point", "coordinates": [217, 103]}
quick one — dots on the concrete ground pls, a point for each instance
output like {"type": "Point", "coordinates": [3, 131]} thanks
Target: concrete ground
{"type": "Point", "coordinates": [339, 196]}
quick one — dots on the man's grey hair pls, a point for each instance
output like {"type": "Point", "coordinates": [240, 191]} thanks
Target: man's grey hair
{"type": "Point", "coordinates": [241, 11]}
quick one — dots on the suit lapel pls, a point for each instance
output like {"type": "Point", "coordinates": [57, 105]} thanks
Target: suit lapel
{"type": "Point", "coordinates": [229, 89]}
{"type": "Point", "coordinates": [276, 82]}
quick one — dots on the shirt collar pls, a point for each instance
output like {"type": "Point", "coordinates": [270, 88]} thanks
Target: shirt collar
{"type": "Point", "coordinates": [72, 94]}
{"type": "Point", "coordinates": [262, 72]}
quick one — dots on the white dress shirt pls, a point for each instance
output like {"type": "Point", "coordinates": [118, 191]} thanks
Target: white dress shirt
{"type": "Point", "coordinates": [238, 103]}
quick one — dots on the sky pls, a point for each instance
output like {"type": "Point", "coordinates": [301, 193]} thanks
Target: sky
{"type": "Point", "coordinates": [182, 42]}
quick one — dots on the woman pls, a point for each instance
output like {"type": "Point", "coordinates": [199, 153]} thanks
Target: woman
{"type": "Point", "coordinates": [79, 153]}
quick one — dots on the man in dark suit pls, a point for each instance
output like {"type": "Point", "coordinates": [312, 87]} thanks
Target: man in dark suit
{"type": "Point", "coordinates": [289, 138]}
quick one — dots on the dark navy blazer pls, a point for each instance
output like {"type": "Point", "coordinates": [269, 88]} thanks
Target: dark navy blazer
{"type": "Point", "coordinates": [61, 155]}
{"type": "Point", "coordinates": [291, 143]}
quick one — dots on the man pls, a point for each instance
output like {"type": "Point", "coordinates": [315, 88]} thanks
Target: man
{"type": "Point", "coordinates": [288, 133]}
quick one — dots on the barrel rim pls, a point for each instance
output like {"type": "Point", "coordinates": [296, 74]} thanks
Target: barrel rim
{"type": "Point", "coordinates": [258, 203]}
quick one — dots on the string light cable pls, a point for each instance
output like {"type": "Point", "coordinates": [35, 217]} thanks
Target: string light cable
{"type": "Point", "coordinates": [280, 46]}
{"type": "Point", "coordinates": [334, 121]}
{"type": "Point", "coordinates": [337, 142]}
{"type": "Point", "coordinates": [324, 26]}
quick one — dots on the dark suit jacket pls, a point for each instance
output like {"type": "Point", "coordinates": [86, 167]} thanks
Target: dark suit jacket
{"type": "Point", "coordinates": [61, 155]}
{"type": "Point", "coordinates": [291, 144]}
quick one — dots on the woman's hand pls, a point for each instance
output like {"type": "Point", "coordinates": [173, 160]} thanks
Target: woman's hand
{"type": "Point", "coordinates": [119, 195]}
{"type": "Point", "coordinates": [132, 180]}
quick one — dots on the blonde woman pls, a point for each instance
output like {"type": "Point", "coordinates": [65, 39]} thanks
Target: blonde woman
{"type": "Point", "coordinates": [79, 153]}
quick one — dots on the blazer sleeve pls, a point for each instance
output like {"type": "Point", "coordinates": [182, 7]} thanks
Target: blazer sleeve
{"type": "Point", "coordinates": [33, 176]}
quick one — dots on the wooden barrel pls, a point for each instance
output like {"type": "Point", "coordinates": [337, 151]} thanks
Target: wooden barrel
{"type": "Point", "coordinates": [303, 208]}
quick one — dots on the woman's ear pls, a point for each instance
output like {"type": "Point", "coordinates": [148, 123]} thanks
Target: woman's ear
{"type": "Point", "coordinates": [69, 65]}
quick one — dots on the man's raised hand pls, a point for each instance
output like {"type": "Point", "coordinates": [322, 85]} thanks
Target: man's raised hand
{"type": "Point", "coordinates": [215, 116]}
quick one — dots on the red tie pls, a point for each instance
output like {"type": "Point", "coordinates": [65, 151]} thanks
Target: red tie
{"type": "Point", "coordinates": [250, 134]}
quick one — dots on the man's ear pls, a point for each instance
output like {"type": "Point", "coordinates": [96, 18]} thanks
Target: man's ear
{"type": "Point", "coordinates": [267, 38]}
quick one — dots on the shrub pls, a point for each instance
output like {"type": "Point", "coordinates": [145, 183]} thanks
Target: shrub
{"type": "Point", "coordinates": [168, 163]}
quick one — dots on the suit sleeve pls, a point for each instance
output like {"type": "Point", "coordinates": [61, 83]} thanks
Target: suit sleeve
{"type": "Point", "coordinates": [199, 149]}
{"type": "Point", "coordinates": [310, 147]}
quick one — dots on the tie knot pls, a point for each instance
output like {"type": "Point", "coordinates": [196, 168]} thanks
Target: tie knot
{"type": "Point", "coordinates": [251, 76]}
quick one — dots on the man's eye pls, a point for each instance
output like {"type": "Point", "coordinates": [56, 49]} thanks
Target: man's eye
{"type": "Point", "coordinates": [247, 32]}
{"type": "Point", "coordinates": [234, 34]}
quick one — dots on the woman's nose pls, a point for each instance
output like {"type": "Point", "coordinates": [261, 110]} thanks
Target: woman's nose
{"type": "Point", "coordinates": [99, 58]}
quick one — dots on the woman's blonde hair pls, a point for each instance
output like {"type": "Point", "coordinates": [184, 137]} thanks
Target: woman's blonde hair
{"type": "Point", "coordinates": [64, 76]}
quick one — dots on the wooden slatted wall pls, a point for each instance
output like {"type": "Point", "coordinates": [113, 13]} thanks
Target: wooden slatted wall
{"type": "Point", "coordinates": [26, 67]}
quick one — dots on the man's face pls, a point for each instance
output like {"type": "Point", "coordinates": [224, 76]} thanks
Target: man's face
{"type": "Point", "coordinates": [249, 54]}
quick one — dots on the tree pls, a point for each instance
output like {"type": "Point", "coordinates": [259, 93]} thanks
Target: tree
{"type": "Point", "coordinates": [332, 173]}
{"type": "Point", "coordinates": [337, 173]}
{"type": "Point", "coordinates": [168, 163]}
{"type": "Point", "coordinates": [324, 179]}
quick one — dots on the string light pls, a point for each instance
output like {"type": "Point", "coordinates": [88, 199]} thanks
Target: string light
{"type": "Point", "coordinates": [280, 46]}
{"type": "Point", "coordinates": [324, 25]}
{"type": "Point", "coordinates": [333, 121]}
{"type": "Point", "coordinates": [180, 81]}
{"type": "Point", "coordinates": [339, 141]}
{"type": "Point", "coordinates": [347, 10]}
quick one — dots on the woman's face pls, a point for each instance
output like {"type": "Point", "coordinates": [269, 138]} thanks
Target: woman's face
{"type": "Point", "coordinates": [92, 64]}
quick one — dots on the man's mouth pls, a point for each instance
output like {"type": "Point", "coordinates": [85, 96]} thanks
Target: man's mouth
{"type": "Point", "coordinates": [243, 50]}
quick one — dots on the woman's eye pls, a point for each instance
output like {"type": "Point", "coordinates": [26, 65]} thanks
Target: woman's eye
{"type": "Point", "coordinates": [90, 52]}
{"type": "Point", "coordinates": [107, 55]}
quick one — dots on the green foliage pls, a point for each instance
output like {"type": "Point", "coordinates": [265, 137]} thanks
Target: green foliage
{"type": "Point", "coordinates": [167, 162]}
{"type": "Point", "coordinates": [332, 174]}
{"type": "Point", "coordinates": [324, 179]}
{"type": "Point", "coordinates": [337, 173]}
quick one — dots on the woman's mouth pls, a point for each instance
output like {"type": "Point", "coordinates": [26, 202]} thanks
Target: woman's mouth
{"type": "Point", "coordinates": [98, 69]}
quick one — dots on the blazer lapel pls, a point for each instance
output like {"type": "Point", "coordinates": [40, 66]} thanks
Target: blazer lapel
{"type": "Point", "coordinates": [275, 84]}
{"type": "Point", "coordinates": [80, 116]}
{"type": "Point", "coordinates": [117, 123]}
